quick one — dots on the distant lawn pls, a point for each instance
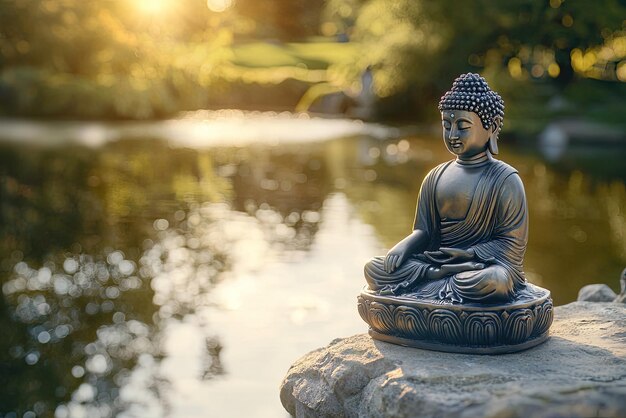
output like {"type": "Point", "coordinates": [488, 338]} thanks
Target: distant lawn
{"type": "Point", "coordinates": [313, 55]}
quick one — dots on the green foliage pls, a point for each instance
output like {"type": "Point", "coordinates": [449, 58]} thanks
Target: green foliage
{"type": "Point", "coordinates": [419, 46]}
{"type": "Point", "coordinates": [282, 19]}
{"type": "Point", "coordinates": [402, 40]}
{"type": "Point", "coordinates": [115, 60]}
{"type": "Point", "coordinates": [81, 59]}
{"type": "Point", "coordinates": [131, 60]}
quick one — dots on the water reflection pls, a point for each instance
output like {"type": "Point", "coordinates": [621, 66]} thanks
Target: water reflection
{"type": "Point", "coordinates": [74, 333]}
{"type": "Point", "coordinates": [144, 280]}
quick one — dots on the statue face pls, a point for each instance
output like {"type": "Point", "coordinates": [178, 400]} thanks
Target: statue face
{"type": "Point", "coordinates": [463, 133]}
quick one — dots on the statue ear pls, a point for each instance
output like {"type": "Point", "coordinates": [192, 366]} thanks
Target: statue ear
{"type": "Point", "coordinates": [493, 135]}
{"type": "Point", "coordinates": [493, 144]}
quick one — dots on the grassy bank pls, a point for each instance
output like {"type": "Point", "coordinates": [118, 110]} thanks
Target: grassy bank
{"type": "Point", "coordinates": [271, 76]}
{"type": "Point", "coordinates": [185, 77]}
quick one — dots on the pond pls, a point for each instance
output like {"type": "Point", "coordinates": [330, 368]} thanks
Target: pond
{"type": "Point", "coordinates": [178, 268]}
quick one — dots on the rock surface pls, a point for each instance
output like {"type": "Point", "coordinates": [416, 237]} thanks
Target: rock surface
{"type": "Point", "coordinates": [596, 293]}
{"type": "Point", "coordinates": [579, 372]}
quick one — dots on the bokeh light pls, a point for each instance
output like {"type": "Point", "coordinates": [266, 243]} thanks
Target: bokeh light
{"type": "Point", "coordinates": [219, 5]}
{"type": "Point", "coordinates": [153, 7]}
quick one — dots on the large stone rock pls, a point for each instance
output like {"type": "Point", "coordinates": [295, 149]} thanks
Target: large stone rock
{"type": "Point", "coordinates": [579, 372]}
{"type": "Point", "coordinates": [596, 293]}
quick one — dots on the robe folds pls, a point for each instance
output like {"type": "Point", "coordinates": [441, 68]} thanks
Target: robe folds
{"type": "Point", "coordinates": [495, 227]}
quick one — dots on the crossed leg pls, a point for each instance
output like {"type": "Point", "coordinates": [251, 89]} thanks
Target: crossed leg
{"type": "Point", "coordinates": [491, 284]}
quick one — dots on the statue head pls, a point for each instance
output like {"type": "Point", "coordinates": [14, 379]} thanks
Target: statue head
{"type": "Point", "coordinates": [472, 116]}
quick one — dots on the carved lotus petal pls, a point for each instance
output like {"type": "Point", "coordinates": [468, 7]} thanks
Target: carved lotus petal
{"type": "Point", "coordinates": [381, 318]}
{"type": "Point", "coordinates": [519, 326]}
{"type": "Point", "coordinates": [410, 322]}
{"type": "Point", "coordinates": [445, 326]}
{"type": "Point", "coordinates": [483, 328]}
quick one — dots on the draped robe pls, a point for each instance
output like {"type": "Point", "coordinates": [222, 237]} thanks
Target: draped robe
{"type": "Point", "coordinates": [495, 227]}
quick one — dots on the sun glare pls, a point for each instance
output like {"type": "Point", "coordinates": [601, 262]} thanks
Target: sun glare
{"type": "Point", "coordinates": [219, 5]}
{"type": "Point", "coordinates": [152, 7]}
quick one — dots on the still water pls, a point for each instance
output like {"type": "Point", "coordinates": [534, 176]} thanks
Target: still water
{"type": "Point", "coordinates": [165, 270]}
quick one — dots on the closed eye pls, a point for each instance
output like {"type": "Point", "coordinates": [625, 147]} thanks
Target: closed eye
{"type": "Point", "coordinates": [464, 125]}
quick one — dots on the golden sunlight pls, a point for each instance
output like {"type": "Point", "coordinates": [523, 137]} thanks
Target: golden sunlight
{"type": "Point", "coordinates": [153, 7]}
{"type": "Point", "coordinates": [219, 5]}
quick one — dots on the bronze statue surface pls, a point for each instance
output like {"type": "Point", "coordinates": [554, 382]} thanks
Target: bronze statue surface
{"type": "Point", "coordinates": [465, 254]}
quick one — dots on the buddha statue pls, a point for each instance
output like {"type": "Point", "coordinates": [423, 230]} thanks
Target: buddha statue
{"type": "Point", "coordinates": [471, 224]}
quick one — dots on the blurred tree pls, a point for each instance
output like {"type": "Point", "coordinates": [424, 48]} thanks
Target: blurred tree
{"type": "Point", "coordinates": [111, 59]}
{"type": "Point", "coordinates": [284, 19]}
{"type": "Point", "coordinates": [151, 58]}
{"type": "Point", "coordinates": [339, 17]}
{"type": "Point", "coordinates": [71, 36]}
{"type": "Point", "coordinates": [538, 33]}
{"type": "Point", "coordinates": [421, 45]}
